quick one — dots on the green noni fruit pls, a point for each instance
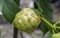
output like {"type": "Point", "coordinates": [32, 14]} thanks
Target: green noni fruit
{"type": "Point", "coordinates": [27, 20]}
{"type": "Point", "coordinates": [57, 35]}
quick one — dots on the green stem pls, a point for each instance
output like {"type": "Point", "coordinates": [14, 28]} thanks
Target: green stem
{"type": "Point", "coordinates": [42, 17]}
{"type": "Point", "coordinates": [53, 31]}
{"type": "Point", "coordinates": [58, 27]}
{"type": "Point", "coordinates": [56, 23]}
{"type": "Point", "coordinates": [46, 21]}
{"type": "Point", "coordinates": [50, 25]}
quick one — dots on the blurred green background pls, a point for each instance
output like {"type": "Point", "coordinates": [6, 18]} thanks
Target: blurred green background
{"type": "Point", "coordinates": [0, 5]}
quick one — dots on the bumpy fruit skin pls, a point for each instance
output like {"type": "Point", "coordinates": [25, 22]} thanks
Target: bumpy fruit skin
{"type": "Point", "coordinates": [26, 20]}
{"type": "Point", "coordinates": [57, 35]}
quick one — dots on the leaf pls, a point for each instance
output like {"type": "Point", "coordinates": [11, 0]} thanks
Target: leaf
{"type": "Point", "coordinates": [47, 12]}
{"type": "Point", "coordinates": [0, 5]}
{"type": "Point", "coordinates": [17, 2]}
{"type": "Point", "coordinates": [43, 28]}
{"type": "Point", "coordinates": [9, 10]}
{"type": "Point", "coordinates": [49, 35]}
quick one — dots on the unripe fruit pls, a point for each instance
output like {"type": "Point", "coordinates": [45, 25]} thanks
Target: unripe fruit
{"type": "Point", "coordinates": [57, 35]}
{"type": "Point", "coordinates": [27, 20]}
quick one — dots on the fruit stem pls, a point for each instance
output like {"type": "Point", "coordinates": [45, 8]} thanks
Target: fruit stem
{"type": "Point", "coordinates": [56, 24]}
{"type": "Point", "coordinates": [43, 17]}
{"type": "Point", "coordinates": [46, 21]}
{"type": "Point", "coordinates": [58, 27]}
{"type": "Point", "coordinates": [50, 24]}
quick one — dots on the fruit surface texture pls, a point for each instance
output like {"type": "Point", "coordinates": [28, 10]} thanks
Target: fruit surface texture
{"type": "Point", "coordinates": [57, 35]}
{"type": "Point", "coordinates": [27, 20]}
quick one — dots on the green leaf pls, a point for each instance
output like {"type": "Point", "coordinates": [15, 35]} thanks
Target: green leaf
{"type": "Point", "coordinates": [17, 2]}
{"type": "Point", "coordinates": [0, 5]}
{"type": "Point", "coordinates": [43, 28]}
{"type": "Point", "coordinates": [49, 35]}
{"type": "Point", "coordinates": [47, 12]}
{"type": "Point", "coordinates": [9, 10]}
